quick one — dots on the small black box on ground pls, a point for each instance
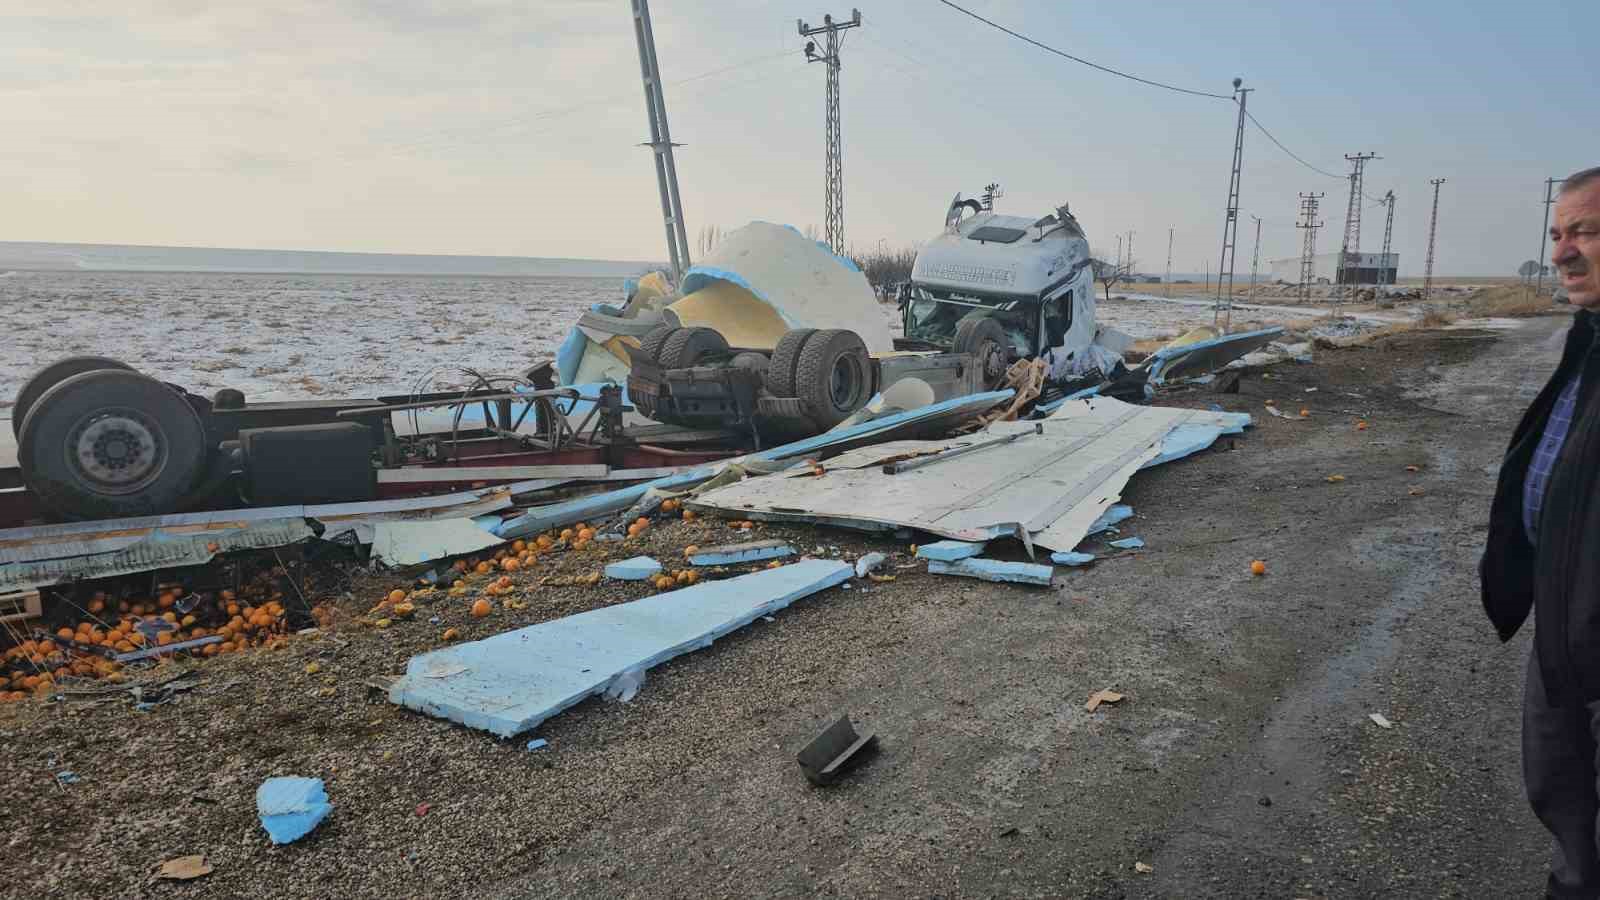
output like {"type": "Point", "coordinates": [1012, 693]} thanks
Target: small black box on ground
{"type": "Point", "coordinates": [308, 464]}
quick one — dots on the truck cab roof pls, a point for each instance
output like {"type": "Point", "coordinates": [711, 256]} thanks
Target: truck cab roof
{"type": "Point", "coordinates": [989, 253]}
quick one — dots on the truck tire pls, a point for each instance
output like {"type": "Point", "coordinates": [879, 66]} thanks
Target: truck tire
{"type": "Point", "coordinates": [688, 346]}
{"type": "Point", "coordinates": [785, 356]}
{"type": "Point", "coordinates": [833, 376]}
{"type": "Point", "coordinates": [652, 343]}
{"type": "Point", "coordinates": [985, 339]}
{"type": "Point", "coordinates": [109, 444]}
{"type": "Point", "coordinates": [52, 375]}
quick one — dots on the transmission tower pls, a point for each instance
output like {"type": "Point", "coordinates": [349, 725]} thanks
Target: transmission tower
{"type": "Point", "coordinates": [1388, 237]}
{"type": "Point", "coordinates": [1308, 215]}
{"type": "Point", "coordinates": [1352, 227]}
{"type": "Point", "coordinates": [1230, 222]}
{"type": "Point", "coordinates": [1549, 198]}
{"type": "Point", "coordinates": [661, 141]}
{"type": "Point", "coordinates": [991, 193]}
{"type": "Point", "coordinates": [833, 163]}
{"type": "Point", "coordinates": [1433, 226]}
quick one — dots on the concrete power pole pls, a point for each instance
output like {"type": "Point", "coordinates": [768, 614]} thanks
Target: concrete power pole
{"type": "Point", "coordinates": [1130, 254]}
{"type": "Point", "coordinates": [1352, 226]}
{"type": "Point", "coordinates": [1230, 222]}
{"type": "Point", "coordinates": [1308, 252]}
{"type": "Point", "coordinates": [1255, 259]}
{"type": "Point", "coordinates": [833, 163]}
{"type": "Point", "coordinates": [1549, 198]}
{"type": "Point", "coordinates": [1433, 226]}
{"type": "Point", "coordinates": [661, 144]}
{"type": "Point", "coordinates": [1169, 262]}
{"type": "Point", "coordinates": [1388, 237]}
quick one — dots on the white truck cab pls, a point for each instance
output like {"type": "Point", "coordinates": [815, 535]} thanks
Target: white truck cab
{"type": "Point", "coordinates": [1033, 278]}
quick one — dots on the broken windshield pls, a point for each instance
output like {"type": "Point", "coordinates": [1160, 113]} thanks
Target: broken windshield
{"type": "Point", "coordinates": [932, 316]}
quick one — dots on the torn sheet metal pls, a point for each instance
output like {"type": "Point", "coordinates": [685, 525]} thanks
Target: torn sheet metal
{"type": "Point", "coordinates": [555, 515]}
{"type": "Point", "coordinates": [414, 543]}
{"type": "Point", "coordinates": [511, 682]}
{"type": "Point", "coordinates": [1053, 486]}
{"type": "Point", "coordinates": [156, 549]}
{"type": "Point", "coordinates": [1197, 357]}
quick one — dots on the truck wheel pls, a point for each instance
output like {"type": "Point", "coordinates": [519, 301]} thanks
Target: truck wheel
{"type": "Point", "coordinates": [111, 443]}
{"type": "Point", "coordinates": [785, 356]}
{"type": "Point", "coordinates": [833, 377]}
{"type": "Point", "coordinates": [652, 342]}
{"type": "Point", "coordinates": [52, 375]}
{"type": "Point", "coordinates": [687, 346]}
{"type": "Point", "coordinates": [985, 339]}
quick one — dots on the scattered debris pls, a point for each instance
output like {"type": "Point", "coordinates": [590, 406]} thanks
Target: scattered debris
{"type": "Point", "coordinates": [1098, 698]}
{"type": "Point", "coordinates": [638, 568]}
{"type": "Point", "coordinates": [1143, 868]}
{"type": "Point", "coordinates": [994, 570]}
{"type": "Point", "coordinates": [1132, 543]}
{"type": "Point", "coordinates": [184, 868]}
{"type": "Point", "coordinates": [1070, 558]}
{"type": "Point", "coordinates": [1334, 479]}
{"type": "Point", "coordinates": [537, 744]}
{"type": "Point", "coordinates": [291, 807]}
{"type": "Point", "coordinates": [422, 809]}
{"type": "Point", "coordinates": [67, 776]}
{"type": "Point", "coordinates": [1416, 491]}
{"type": "Point", "coordinates": [1258, 567]}
{"type": "Point", "coordinates": [1379, 720]}
{"type": "Point", "coordinates": [733, 554]}
{"type": "Point", "coordinates": [837, 748]}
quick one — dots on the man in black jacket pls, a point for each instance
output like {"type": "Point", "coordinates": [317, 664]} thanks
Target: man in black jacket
{"type": "Point", "coordinates": [1543, 553]}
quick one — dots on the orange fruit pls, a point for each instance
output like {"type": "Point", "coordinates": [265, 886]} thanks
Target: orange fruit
{"type": "Point", "coordinates": [226, 596]}
{"type": "Point", "coordinates": [567, 534]}
{"type": "Point", "coordinates": [170, 617]}
{"type": "Point", "coordinates": [510, 564]}
{"type": "Point", "coordinates": [233, 609]}
{"type": "Point", "coordinates": [396, 596]}
{"type": "Point", "coordinates": [65, 632]}
{"type": "Point", "coordinates": [586, 534]}
{"type": "Point", "coordinates": [166, 601]}
{"type": "Point", "coordinates": [518, 546]}
{"type": "Point", "coordinates": [482, 568]}
{"type": "Point", "coordinates": [138, 609]}
{"type": "Point", "coordinates": [124, 646]}
{"type": "Point", "coordinates": [545, 542]}
{"type": "Point", "coordinates": [164, 638]}
{"type": "Point", "coordinates": [580, 545]}
{"type": "Point", "coordinates": [480, 609]}
{"type": "Point", "coordinates": [198, 633]}
{"type": "Point", "coordinates": [188, 621]}
{"type": "Point", "coordinates": [209, 650]}
{"type": "Point", "coordinates": [500, 554]}
{"type": "Point", "coordinates": [451, 634]}
{"type": "Point", "coordinates": [689, 515]}
{"type": "Point", "coordinates": [1258, 568]}
{"type": "Point", "coordinates": [97, 605]}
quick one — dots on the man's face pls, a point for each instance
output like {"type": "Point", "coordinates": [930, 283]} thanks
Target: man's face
{"type": "Point", "coordinates": [1576, 254]}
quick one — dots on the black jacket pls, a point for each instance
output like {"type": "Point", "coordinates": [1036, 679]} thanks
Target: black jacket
{"type": "Point", "coordinates": [1559, 579]}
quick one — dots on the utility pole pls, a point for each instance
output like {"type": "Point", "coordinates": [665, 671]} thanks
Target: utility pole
{"type": "Point", "coordinates": [1130, 252]}
{"type": "Point", "coordinates": [1119, 253]}
{"type": "Point", "coordinates": [1388, 236]}
{"type": "Point", "coordinates": [661, 144]}
{"type": "Point", "coordinates": [1308, 252]}
{"type": "Point", "coordinates": [1230, 222]}
{"type": "Point", "coordinates": [1544, 235]}
{"type": "Point", "coordinates": [1169, 262]}
{"type": "Point", "coordinates": [833, 163]}
{"type": "Point", "coordinates": [1255, 260]}
{"type": "Point", "coordinates": [1352, 226]}
{"type": "Point", "coordinates": [1433, 226]}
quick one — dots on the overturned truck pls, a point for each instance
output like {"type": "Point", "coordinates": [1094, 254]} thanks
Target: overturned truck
{"type": "Point", "coordinates": [738, 350]}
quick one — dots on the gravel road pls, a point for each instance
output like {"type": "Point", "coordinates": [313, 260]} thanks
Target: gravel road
{"type": "Point", "coordinates": [1242, 762]}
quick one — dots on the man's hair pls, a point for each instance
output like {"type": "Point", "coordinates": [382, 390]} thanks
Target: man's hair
{"type": "Point", "coordinates": [1579, 179]}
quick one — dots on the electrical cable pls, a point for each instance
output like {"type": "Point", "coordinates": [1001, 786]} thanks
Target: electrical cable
{"type": "Point", "coordinates": [1078, 59]}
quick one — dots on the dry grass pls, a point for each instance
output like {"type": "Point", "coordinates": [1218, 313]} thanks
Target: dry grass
{"type": "Point", "coordinates": [1513, 300]}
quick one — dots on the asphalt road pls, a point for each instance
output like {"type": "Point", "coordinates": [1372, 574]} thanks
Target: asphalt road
{"type": "Point", "coordinates": [1243, 763]}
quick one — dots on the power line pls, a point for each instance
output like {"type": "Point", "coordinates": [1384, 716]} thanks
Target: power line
{"type": "Point", "coordinates": [1078, 59]}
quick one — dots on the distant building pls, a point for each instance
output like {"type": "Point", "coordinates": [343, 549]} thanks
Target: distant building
{"type": "Point", "coordinates": [1362, 268]}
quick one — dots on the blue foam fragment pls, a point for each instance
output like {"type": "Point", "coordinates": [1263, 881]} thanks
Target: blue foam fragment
{"type": "Point", "coordinates": [994, 570]}
{"type": "Point", "coordinates": [950, 551]}
{"type": "Point", "coordinates": [731, 554]}
{"type": "Point", "coordinates": [290, 807]}
{"type": "Point", "coordinates": [1131, 543]}
{"type": "Point", "coordinates": [636, 569]}
{"type": "Point", "coordinates": [1070, 558]}
{"type": "Point", "coordinates": [510, 683]}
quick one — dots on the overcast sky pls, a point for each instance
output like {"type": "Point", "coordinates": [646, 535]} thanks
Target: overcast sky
{"type": "Point", "coordinates": [511, 126]}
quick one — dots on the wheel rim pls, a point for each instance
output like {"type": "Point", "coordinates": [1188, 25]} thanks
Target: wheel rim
{"type": "Point", "coordinates": [844, 382]}
{"type": "Point", "coordinates": [993, 361]}
{"type": "Point", "coordinates": [117, 451]}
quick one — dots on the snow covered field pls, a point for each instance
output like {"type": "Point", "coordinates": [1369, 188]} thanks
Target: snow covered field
{"type": "Point", "coordinates": [281, 337]}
